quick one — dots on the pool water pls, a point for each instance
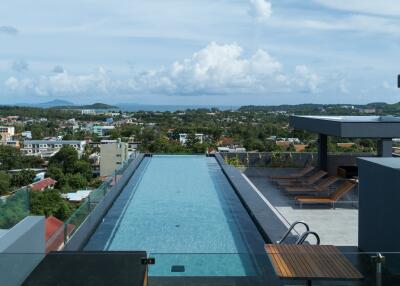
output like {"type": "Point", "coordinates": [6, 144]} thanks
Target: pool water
{"type": "Point", "coordinates": [182, 211]}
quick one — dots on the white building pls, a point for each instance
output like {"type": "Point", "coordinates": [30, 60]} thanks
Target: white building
{"type": "Point", "coordinates": [27, 134]}
{"type": "Point", "coordinates": [102, 131]}
{"type": "Point", "coordinates": [231, 150]}
{"type": "Point", "coordinates": [183, 137]}
{"type": "Point", "coordinates": [88, 112]}
{"type": "Point", "coordinates": [47, 148]}
{"type": "Point", "coordinates": [6, 133]}
{"type": "Point", "coordinates": [76, 197]}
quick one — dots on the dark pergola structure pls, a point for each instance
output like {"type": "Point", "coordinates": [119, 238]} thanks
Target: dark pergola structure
{"type": "Point", "coordinates": [381, 128]}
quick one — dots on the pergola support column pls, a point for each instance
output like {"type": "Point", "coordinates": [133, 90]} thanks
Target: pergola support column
{"type": "Point", "coordinates": [385, 147]}
{"type": "Point", "coordinates": [323, 152]}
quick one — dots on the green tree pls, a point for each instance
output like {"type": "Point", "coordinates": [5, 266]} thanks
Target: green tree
{"type": "Point", "coordinates": [49, 203]}
{"type": "Point", "coordinates": [67, 157]}
{"type": "Point", "coordinates": [5, 183]}
{"type": "Point", "coordinates": [82, 167]}
{"type": "Point", "coordinates": [23, 178]}
{"type": "Point", "coordinates": [76, 181]}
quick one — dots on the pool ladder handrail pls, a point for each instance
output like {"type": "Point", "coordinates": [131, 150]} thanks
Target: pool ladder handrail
{"type": "Point", "coordinates": [303, 236]}
{"type": "Point", "coordinates": [290, 230]}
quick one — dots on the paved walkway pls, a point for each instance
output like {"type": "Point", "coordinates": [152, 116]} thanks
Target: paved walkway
{"type": "Point", "coordinates": [335, 226]}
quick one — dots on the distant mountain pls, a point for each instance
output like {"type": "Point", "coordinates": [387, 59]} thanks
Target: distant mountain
{"type": "Point", "coordinates": [55, 102]}
{"type": "Point", "coordinates": [47, 104]}
{"type": "Point", "coordinates": [96, 105]}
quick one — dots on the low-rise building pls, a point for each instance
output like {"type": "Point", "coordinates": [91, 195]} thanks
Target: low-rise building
{"type": "Point", "coordinates": [77, 197]}
{"type": "Point", "coordinates": [13, 143]}
{"type": "Point", "coordinates": [27, 134]}
{"type": "Point", "coordinates": [183, 137]}
{"type": "Point", "coordinates": [6, 133]}
{"type": "Point", "coordinates": [88, 112]}
{"type": "Point", "coordinates": [101, 130]}
{"type": "Point", "coordinates": [112, 155]}
{"type": "Point", "coordinates": [42, 185]}
{"type": "Point", "coordinates": [42, 147]}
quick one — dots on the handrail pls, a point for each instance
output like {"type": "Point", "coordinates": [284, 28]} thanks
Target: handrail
{"type": "Point", "coordinates": [291, 228]}
{"type": "Point", "coordinates": [304, 236]}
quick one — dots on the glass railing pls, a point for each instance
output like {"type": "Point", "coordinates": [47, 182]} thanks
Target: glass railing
{"type": "Point", "coordinates": [297, 265]}
{"type": "Point", "coordinates": [283, 159]}
{"type": "Point", "coordinates": [73, 268]}
{"type": "Point", "coordinates": [95, 197]}
{"type": "Point", "coordinates": [14, 208]}
{"type": "Point", "coordinates": [292, 265]}
{"type": "Point", "coordinates": [270, 159]}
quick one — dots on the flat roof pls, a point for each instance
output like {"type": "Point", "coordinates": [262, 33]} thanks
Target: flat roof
{"type": "Point", "coordinates": [393, 163]}
{"type": "Point", "coordinates": [349, 126]}
{"type": "Point", "coordinates": [62, 142]}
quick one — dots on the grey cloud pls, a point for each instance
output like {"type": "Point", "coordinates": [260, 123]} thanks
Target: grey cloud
{"type": "Point", "coordinates": [8, 30]}
{"type": "Point", "coordinates": [20, 65]}
{"type": "Point", "coordinates": [58, 69]}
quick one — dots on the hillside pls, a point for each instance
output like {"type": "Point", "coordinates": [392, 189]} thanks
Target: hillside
{"type": "Point", "coordinates": [97, 105]}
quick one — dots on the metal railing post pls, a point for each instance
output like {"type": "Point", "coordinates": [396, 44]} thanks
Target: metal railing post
{"type": "Point", "coordinates": [379, 259]}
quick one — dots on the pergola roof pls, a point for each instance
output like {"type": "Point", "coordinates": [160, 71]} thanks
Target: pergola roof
{"type": "Point", "coordinates": [349, 126]}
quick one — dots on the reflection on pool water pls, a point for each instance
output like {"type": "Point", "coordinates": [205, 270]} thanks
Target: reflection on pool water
{"type": "Point", "coordinates": [182, 211]}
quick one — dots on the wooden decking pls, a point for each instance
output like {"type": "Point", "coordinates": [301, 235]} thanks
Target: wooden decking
{"type": "Point", "coordinates": [311, 262]}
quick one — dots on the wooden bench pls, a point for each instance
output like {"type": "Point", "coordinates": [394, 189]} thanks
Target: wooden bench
{"type": "Point", "coordinates": [310, 262]}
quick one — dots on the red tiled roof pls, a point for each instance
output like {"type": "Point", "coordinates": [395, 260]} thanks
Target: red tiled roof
{"type": "Point", "coordinates": [52, 224]}
{"type": "Point", "coordinates": [54, 233]}
{"type": "Point", "coordinates": [42, 184]}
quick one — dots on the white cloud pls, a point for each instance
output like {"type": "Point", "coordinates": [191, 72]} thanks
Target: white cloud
{"type": "Point", "coordinates": [65, 84]}
{"type": "Point", "coordinates": [377, 7]}
{"type": "Point", "coordinates": [304, 78]}
{"type": "Point", "coordinates": [216, 69]}
{"type": "Point", "coordinates": [260, 9]}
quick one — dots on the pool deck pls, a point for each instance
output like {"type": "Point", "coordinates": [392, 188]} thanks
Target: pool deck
{"type": "Point", "coordinates": [337, 226]}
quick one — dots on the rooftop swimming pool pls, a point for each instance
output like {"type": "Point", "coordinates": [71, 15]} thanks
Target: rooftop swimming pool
{"type": "Point", "coordinates": [183, 211]}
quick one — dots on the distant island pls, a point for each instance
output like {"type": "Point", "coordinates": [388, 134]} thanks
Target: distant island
{"type": "Point", "coordinates": [96, 105]}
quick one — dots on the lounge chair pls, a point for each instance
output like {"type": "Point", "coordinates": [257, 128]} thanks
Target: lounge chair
{"type": "Point", "coordinates": [306, 182]}
{"type": "Point", "coordinates": [323, 185]}
{"type": "Point", "coordinates": [296, 175]}
{"type": "Point", "coordinates": [343, 189]}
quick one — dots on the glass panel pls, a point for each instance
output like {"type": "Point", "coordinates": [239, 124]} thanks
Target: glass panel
{"type": "Point", "coordinates": [96, 196]}
{"type": "Point", "coordinates": [210, 269]}
{"type": "Point", "coordinates": [73, 268]}
{"type": "Point", "coordinates": [129, 268]}
{"type": "Point", "coordinates": [329, 268]}
{"type": "Point", "coordinates": [14, 208]}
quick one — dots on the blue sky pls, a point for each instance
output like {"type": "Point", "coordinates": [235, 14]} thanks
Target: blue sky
{"type": "Point", "coordinates": [200, 51]}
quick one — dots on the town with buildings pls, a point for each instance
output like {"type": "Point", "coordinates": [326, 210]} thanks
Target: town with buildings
{"type": "Point", "coordinates": [63, 164]}
{"type": "Point", "coordinates": [199, 143]}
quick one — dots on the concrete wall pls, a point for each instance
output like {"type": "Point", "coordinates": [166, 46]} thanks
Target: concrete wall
{"type": "Point", "coordinates": [21, 249]}
{"type": "Point", "coordinates": [270, 227]}
{"type": "Point", "coordinates": [379, 211]}
{"type": "Point", "coordinates": [336, 160]}
{"type": "Point", "coordinates": [85, 230]}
